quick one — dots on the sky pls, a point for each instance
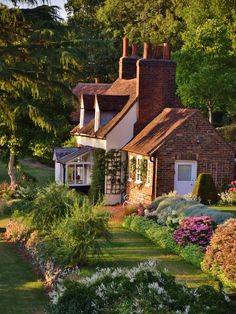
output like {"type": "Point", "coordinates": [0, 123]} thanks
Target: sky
{"type": "Point", "coordinates": [59, 3]}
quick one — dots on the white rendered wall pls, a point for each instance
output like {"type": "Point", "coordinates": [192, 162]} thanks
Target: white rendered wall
{"type": "Point", "coordinates": [91, 141]}
{"type": "Point", "coordinates": [58, 173]}
{"type": "Point", "coordinates": [123, 132]}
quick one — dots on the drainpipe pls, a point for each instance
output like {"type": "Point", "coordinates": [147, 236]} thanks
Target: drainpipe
{"type": "Point", "coordinates": [154, 185]}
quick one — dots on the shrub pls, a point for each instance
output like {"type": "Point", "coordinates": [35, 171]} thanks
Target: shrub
{"type": "Point", "coordinates": [157, 201]}
{"type": "Point", "coordinates": [130, 209]}
{"type": "Point", "coordinates": [77, 235]}
{"type": "Point", "coordinates": [201, 210]}
{"type": "Point", "coordinates": [195, 230]}
{"type": "Point", "coordinates": [141, 289]}
{"type": "Point", "coordinates": [220, 257]}
{"type": "Point", "coordinates": [5, 191]}
{"type": "Point", "coordinates": [205, 189]}
{"type": "Point", "coordinates": [52, 204]}
{"type": "Point", "coordinates": [27, 191]}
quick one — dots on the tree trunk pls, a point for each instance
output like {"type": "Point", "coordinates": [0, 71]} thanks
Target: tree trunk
{"type": "Point", "coordinates": [11, 170]}
{"type": "Point", "coordinates": [210, 111]}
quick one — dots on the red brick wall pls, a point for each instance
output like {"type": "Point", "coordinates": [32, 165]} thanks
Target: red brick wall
{"type": "Point", "coordinates": [139, 193]}
{"type": "Point", "coordinates": [155, 87]}
{"type": "Point", "coordinates": [196, 140]}
{"type": "Point", "coordinates": [127, 67]}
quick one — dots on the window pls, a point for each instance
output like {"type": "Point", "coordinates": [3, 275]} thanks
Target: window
{"type": "Point", "coordinates": [138, 168]}
{"type": "Point", "coordinates": [78, 172]}
{"type": "Point", "coordinates": [184, 172]}
{"type": "Point", "coordinates": [148, 178]}
{"type": "Point", "coordinates": [132, 168]}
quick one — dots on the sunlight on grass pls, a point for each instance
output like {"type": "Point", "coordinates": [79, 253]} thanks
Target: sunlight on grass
{"type": "Point", "coordinates": [128, 248]}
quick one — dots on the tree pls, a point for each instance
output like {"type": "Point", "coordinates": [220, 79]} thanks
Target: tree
{"type": "Point", "coordinates": [38, 61]}
{"type": "Point", "coordinates": [206, 72]}
{"type": "Point", "coordinates": [151, 21]}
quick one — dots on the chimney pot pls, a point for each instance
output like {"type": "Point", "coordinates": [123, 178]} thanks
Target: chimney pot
{"type": "Point", "coordinates": [167, 51]}
{"type": "Point", "coordinates": [125, 47]}
{"type": "Point", "coordinates": [134, 50]}
{"type": "Point", "coordinates": [158, 52]}
{"type": "Point", "coordinates": [147, 51]}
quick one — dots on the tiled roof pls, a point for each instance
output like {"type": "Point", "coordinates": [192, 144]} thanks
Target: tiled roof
{"type": "Point", "coordinates": [89, 88]}
{"type": "Point", "coordinates": [159, 130]}
{"type": "Point", "coordinates": [111, 102]}
{"type": "Point", "coordinates": [65, 154]}
{"type": "Point", "coordinates": [123, 93]}
{"type": "Point", "coordinates": [75, 116]}
{"type": "Point", "coordinates": [87, 129]}
{"type": "Point", "coordinates": [88, 102]}
{"type": "Point", "coordinates": [119, 87]}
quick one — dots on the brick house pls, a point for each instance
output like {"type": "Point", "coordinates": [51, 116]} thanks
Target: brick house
{"type": "Point", "coordinates": [140, 117]}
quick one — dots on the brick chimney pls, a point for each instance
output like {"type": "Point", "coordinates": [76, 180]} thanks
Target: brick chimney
{"type": "Point", "coordinates": [156, 75]}
{"type": "Point", "coordinates": [127, 64]}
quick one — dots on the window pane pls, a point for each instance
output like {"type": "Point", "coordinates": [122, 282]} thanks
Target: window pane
{"type": "Point", "coordinates": [70, 174]}
{"type": "Point", "coordinates": [79, 174]}
{"type": "Point", "coordinates": [184, 172]}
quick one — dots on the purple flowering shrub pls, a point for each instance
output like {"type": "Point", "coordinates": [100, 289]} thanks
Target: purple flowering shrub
{"type": "Point", "coordinates": [195, 230]}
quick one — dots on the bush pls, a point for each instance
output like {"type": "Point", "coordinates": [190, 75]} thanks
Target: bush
{"type": "Point", "coordinates": [195, 230]}
{"type": "Point", "coordinates": [205, 189]}
{"type": "Point", "coordinates": [163, 236]}
{"type": "Point", "coordinates": [141, 289]}
{"type": "Point", "coordinates": [77, 235]}
{"type": "Point", "coordinates": [201, 210]}
{"type": "Point", "coordinates": [5, 191]}
{"type": "Point", "coordinates": [220, 257]}
{"type": "Point", "coordinates": [51, 205]}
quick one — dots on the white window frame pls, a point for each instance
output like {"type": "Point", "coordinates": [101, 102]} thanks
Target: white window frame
{"type": "Point", "coordinates": [74, 164]}
{"type": "Point", "coordinates": [129, 174]}
{"type": "Point", "coordinates": [138, 172]}
{"type": "Point", "coordinates": [148, 177]}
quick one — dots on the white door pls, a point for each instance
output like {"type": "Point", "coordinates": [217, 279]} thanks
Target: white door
{"type": "Point", "coordinates": [185, 176]}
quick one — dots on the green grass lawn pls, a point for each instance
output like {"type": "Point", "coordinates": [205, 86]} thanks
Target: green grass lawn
{"type": "Point", "coordinates": [128, 248]}
{"type": "Point", "coordinates": [42, 173]}
{"type": "Point", "coordinates": [20, 290]}
{"type": "Point", "coordinates": [230, 209]}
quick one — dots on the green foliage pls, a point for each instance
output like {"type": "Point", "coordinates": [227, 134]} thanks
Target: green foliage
{"type": "Point", "coordinates": [228, 132]}
{"type": "Point", "coordinates": [51, 204]}
{"type": "Point", "coordinates": [98, 177]}
{"type": "Point", "coordinates": [143, 287]}
{"type": "Point", "coordinates": [205, 189]}
{"type": "Point", "coordinates": [220, 257]}
{"type": "Point", "coordinates": [162, 236]}
{"type": "Point", "coordinates": [77, 235]}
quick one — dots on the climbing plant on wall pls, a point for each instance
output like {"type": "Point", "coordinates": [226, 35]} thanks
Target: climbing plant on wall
{"type": "Point", "coordinates": [98, 175]}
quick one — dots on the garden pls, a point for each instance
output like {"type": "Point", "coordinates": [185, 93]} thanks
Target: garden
{"type": "Point", "coordinates": [89, 266]}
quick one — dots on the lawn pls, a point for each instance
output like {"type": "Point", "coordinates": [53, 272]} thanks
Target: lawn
{"type": "Point", "coordinates": [230, 209]}
{"type": "Point", "coordinates": [20, 290]}
{"type": "Point", "coordinates": [42, 173]}
{"type": "Point", "coordinates": [128, 248]}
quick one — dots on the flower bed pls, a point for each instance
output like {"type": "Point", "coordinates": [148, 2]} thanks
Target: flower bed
{"type": "Point", "coordinates": [141, 289]}
{"type": "Point", "coordinates": [195, 230]}
{"type": "Point", "coordinates": [220, 257]}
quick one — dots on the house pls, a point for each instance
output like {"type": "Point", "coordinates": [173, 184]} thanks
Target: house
{"type": "Point", "coordinates": [140, 119]}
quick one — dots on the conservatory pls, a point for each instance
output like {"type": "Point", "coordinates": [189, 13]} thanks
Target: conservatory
{"type": "Point", "coordinates": [73, 166]}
